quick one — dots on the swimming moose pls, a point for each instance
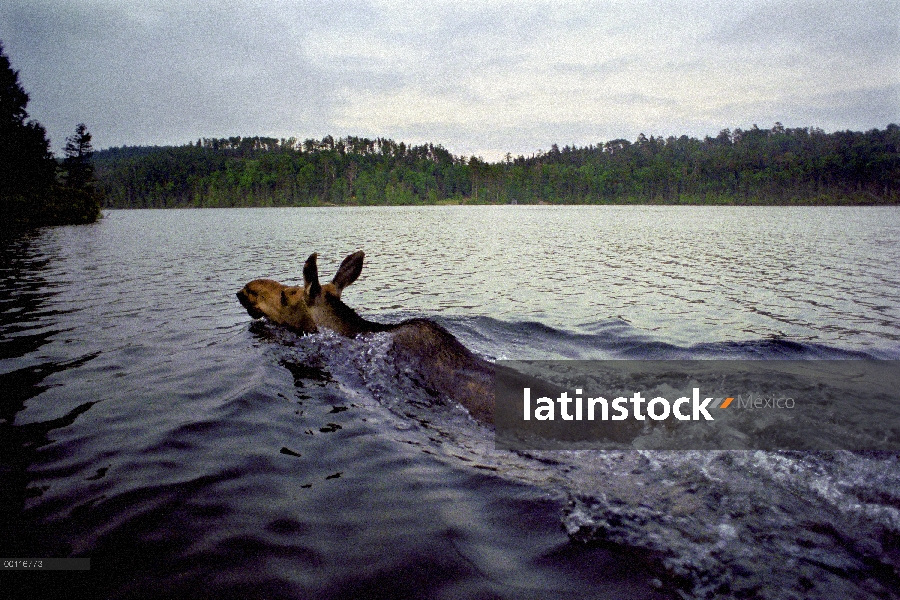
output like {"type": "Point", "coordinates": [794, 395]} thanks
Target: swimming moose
{"type": "Point", "coordinates": [445, 366]}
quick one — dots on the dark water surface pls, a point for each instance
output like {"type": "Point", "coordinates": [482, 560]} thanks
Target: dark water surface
{"type": "Point", "coordinates": [147, 423]}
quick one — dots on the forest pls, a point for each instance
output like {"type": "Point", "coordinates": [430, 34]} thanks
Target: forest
{"type": "Point", "coordinates": [755, 166]}
{"type": "Point", "coordinates": [36, 188]}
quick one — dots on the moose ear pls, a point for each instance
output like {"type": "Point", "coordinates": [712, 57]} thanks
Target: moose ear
{"type": "Point", "coordinates": [349, 270]}
{"type": "Point", "coordinates": [311, 277]}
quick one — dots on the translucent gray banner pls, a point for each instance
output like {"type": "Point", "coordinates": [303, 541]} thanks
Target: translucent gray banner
{"type": "Point", "coordinates": [46, 564]}
{"type": "Point", "coordinates": [698, 404]}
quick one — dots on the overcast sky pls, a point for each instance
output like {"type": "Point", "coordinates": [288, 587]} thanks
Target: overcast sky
{"type": "Point", "coordinates": [478, 77]}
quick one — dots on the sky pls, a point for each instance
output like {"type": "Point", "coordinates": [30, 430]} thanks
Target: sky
{"type": "Point", "coordinates": [480, 78]}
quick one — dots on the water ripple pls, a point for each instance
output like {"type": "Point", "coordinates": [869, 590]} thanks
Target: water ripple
{"type": "Point", "coordinates": [144, 416]}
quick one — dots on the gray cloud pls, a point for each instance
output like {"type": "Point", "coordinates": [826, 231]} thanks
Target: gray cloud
{"type": "Point", "coordinates": [478, 77]}
{"type": "Point", "coordinates": [165, 74]}
{"type": "Point", "coordinates": [869, 31]}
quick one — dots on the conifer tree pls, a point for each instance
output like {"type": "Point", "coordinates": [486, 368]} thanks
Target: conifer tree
{"type": "Point", "coordinates": [77, 164]}
{"type": "Point", "coordinates": [30, 194]}
{"type": "Point", "coordinates": [27, 168]}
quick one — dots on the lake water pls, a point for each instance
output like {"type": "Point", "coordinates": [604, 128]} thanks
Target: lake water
{"type": "Point", "coordinates": [148, 423]}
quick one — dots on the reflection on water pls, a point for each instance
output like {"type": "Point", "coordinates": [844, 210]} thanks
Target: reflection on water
{"type": "Point", "coordinates": [147, 423]}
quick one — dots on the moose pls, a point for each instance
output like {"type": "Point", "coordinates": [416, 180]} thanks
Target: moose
{"type": "Point", "coordinates": [445, 366]}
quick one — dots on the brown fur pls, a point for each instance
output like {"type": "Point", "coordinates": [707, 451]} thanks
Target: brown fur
{"type": "Point", "coordinates": [445, 366]}
{"type": "Point", "coordinates": [279, 303]}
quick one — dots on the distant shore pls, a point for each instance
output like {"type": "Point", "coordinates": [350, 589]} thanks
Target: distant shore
{"type": "Point", "coordinates": [778, 166]}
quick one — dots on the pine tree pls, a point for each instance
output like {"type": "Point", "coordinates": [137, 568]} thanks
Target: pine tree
{"type": "Point", "coordinates": [27, 168]}
{"type": "Point", "coordinates": [77, 164]}
{"type": "Point", "coordinates": [77, 201]}
{"type": "Point", "coordinates": [29, 192]}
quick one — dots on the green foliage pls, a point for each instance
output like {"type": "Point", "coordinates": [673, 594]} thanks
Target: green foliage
{"type": "Point", "coordinates": [77, 201]}
{"type": "Point", "coordinates": [777, 166]}
{"type": "Point", "coordinates": [71, 206]}
{"type": "Point", "coordinates": [77, 163]}
{"type": "Point", "coordinates": [270, 172]}
{"type": "Point", "coordinates": [27, 169]}
{"type": "Point", "coordinates": [30, 192]}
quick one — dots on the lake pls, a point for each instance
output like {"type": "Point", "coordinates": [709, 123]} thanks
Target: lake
{"type": "Point", "coordinates": [147, 422]}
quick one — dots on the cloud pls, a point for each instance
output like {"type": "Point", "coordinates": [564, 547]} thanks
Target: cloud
{"type": "Point", "coordinates": [168, 72]}
{"type": "Point", "coordinates": [479, 77]}
{"type": "Point", "coordinates": [863, 31]}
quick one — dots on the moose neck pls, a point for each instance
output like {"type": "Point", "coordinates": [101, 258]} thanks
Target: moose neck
{"type": "Point", "coordinates": [348, 322]}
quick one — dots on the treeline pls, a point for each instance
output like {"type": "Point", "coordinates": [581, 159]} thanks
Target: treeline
{"type": "Point", "coordinates": [755, 166]}
{"type": "Point", "coordinates": [281, 172]}
{"type": "Point", "coordinates": [35, 188]}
